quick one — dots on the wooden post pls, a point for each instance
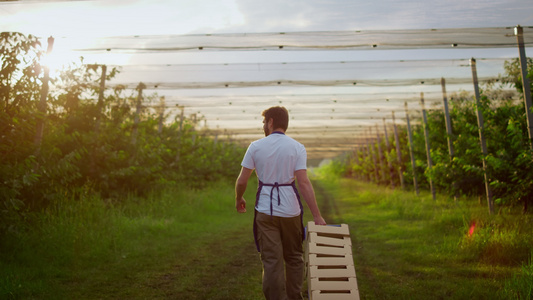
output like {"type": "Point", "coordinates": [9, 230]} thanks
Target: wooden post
{"type": "Point", "coordinates": [428, 144]}
{"type": "Point", "coordinates": [41, 107]}
{"type": "Point", "coordinates": [140, 88]}
{"type": "Point", "coordinates": [372, 151]}
{"type": "Point", "coordinates": [181, 118]}
{"type": "Point", "coordinates": [366, 156]}
{"type": "Point", "coordinates": [380, 155]}
{"type": "Point", "coordinates": [100, 104]}
{"type": "Point", "coordinates": [519, 32]}
{"type": "Point", "coordinates": [369, 157]}
{"type": "Point", "coordinates": [449, 131]}
{"type": "Point", "coordinates": [102, 88]}
{"type": "Point", "coordinates": [161, 114]}
{"type": "Point", "coordinates": [389, 162]}
{"type": "Point", "coordinates": [398, 151]}
{"type": "Point", "coordinates": [411, 151]}
{"type": "Point", "coordinates": [481, 130]}
{"type": "Point", "coordinates": [447, 119]}
{"type": "Point", "coordinates": [356, 158]}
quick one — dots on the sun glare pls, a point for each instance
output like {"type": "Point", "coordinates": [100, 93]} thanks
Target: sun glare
{"type": "Point", "coordinates": [65, 52]}
{"type": "Point", "coordinates": [58, 58]}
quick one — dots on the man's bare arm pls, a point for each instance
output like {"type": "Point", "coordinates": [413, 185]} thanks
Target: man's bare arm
{"type": "Point", "coordinates": [240, 188]}
{"type": "Point", "coordinates": [306, 188]}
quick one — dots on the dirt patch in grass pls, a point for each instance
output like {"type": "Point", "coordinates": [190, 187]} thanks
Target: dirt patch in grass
{"type": "Point", "coordinates": [226, 267]}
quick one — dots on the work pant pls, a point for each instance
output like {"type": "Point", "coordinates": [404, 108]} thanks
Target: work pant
{"type": "Point", "coordinates": [280, 244]}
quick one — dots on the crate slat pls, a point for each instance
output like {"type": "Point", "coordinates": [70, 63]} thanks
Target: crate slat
{"type": "Point", "coordinates": [337, 285]}
{"type": "Point", "coordinates": [328, 240]}
{"type": "Point", "coordinates": [316, 249]}
{"type": "Point", "coordinates": [315, 260]}
{"type": "Point", "coordinates": [338, 230]}
{"type": "Point", "coordinates": [318, 295]}
{"type": "Point", "coordinates": [315, 272]}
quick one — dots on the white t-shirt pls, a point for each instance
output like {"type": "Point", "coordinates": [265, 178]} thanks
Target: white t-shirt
{"type": "Point", "coordinates": [275, 158]}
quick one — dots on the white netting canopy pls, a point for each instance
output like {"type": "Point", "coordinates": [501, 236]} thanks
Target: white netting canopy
{"type": "Point", "coordinates": [324, 40]}
{"type": "Point", "coordinates": [333, 87]}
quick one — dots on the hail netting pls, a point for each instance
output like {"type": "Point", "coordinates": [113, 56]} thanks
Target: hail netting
{"type": "Point", "coordinates": [332, 101]}
{"type": "Point", "coordinates": [325, 40]}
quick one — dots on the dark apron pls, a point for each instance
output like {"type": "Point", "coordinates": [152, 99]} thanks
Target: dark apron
{"type": "Point", "coordinates": [276, 186]}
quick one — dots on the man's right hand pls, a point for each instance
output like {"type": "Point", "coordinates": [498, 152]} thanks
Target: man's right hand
{"type": "Point", "coordinates": [240, 205]}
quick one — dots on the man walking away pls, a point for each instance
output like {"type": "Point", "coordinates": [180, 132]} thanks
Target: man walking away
{"type": "Point", "coordinates": [279, 161]}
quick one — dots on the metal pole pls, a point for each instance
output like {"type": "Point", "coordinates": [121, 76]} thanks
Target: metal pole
{"type": "Point", "coordinates": [398, 151]}
{"type": "Point", "coordinates": [411, 151]}
{"type": "Point", "coordinates": [481, 134]}
{"type": "Point", "coordinates": [42, 103]}
{"type": "Point", "coordinates": [519, 32]}
{"type": "Point", "coordinates": [428, 147]}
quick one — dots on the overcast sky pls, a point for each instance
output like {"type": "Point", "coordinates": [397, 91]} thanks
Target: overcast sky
{"type": "Point", "coordinates": [127, 17]}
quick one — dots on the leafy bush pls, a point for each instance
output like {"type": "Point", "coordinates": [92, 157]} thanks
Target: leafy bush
{"type": "Point", "coordinates": [90, 143]}
{"type": "Point", "coordinates": [509, 160]}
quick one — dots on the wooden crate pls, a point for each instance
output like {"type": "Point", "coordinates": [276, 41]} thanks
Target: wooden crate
{"type": "Point", "coordinates": [329, 263]}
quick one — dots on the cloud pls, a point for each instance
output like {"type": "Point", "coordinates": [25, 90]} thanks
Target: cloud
{"type": "Point", "coordinates": [321, 15]}
{"type": "Point", "coordinates": [152, 17]}
{"type": "Point", "coordinates": [112, 18]}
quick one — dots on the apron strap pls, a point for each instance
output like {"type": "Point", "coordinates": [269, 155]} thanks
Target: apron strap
{"type": "Point", "coordinates": [276, 186]}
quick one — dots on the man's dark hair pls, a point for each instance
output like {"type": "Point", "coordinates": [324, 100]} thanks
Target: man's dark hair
{"type": "Point", "coordinates": [279, 114]}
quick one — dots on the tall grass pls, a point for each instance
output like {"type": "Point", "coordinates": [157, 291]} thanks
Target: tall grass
{"type": "Point", "coordinates": [409, 247]}
{"type": "Point", "coordinates": [520, 286]}
{"type": "Point", "coordinates": [88, 248]}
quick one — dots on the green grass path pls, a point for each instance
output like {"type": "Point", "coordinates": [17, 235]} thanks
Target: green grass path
{"type": "Point", "coordinates": [193, 245]}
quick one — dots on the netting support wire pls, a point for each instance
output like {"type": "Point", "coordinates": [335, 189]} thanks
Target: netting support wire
{"type": "Point", "coordinates": [428, 144]}
{"type": "Point", "coordinates": [411, 151]}
{"type": "Point", "coordinates": [519, 32]}
{"type": "Point", "coordinates": [481, 129]}
{"type": "Point", "coordinates": [42, 103]}
{"type": "Point", "coordinates": [398, 151]}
